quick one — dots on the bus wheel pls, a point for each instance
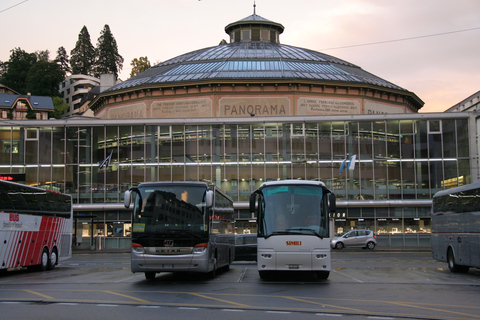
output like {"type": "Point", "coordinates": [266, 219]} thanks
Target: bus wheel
{"type": "Point", "coordinates": [212, 274]}
{"type": "Point", "coordinates": [44, 259]}
{"type": "Point", "coordinates": [265, 275]}
{"type": "Point", "coordinates": [452, 265]}
{"type": "Point", "coordinates": [52, 262]}
{"type": "Point", "coordinates": [323, 275]}
{"type": "Point", "coordinates": [150, 275]}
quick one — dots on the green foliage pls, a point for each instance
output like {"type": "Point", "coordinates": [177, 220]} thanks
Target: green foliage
{"type": "Point", "coordinates": [83, 55]}
{"type": "Point", "coordinates": [43, 78]}
{"type": "Point", "coordinates": [108, 58]}
{"type": "Point", "coordinates": [61, 107]}
{"type": "Point", "coordinates": [16, 69]}
{"type": "Point", "coordinates": [62, 60]}
{"type": "Point", "coordinates": [139, 65]}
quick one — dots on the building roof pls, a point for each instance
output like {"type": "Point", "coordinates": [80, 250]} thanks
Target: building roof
{"type": "Point", "coordinates": [35, 102]}
{"type": "Point", "coordinates": [254, 60]}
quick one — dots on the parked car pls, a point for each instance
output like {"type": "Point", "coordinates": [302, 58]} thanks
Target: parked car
{"type": "Point", "coordinates": [246, 247]}
{"type": "Point", "coordinates": [355, 238]}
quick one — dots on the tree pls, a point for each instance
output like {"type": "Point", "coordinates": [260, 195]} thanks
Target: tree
{"type": "Point", "coordinates": [83, 55]}
{"type": "Point", "coordinates": [43, 79]}
{"type": "Point", "coordinates": [139, 65]}
{"type": "Point", "coordinates": [108, 58]}
{"type": "Point", "coordinates": [62, 60]}
{"type": "Point", "coordinates": [42, 55]}
{"type": "Point", "coordinates": [61, 107]}
{"type": "Point", "coordinates": [16, 69]}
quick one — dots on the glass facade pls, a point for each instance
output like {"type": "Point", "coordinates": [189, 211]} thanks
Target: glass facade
{"type": "Point", "coordinates": [396, 161]}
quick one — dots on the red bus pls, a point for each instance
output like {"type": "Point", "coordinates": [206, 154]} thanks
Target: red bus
{"type": "Point", "coordinates": [35, 227]}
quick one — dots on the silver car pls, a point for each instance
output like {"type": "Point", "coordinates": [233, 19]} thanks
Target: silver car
{"type": "Point", "coordinates": [355, 238]}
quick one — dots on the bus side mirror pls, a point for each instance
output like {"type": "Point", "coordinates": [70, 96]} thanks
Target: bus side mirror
{"type": "Point", "coordinates": [253, 198]}
{"type": "Point", "coordinates": [209, 199]}
{"type": "Point", "coordinates": [333, 203]}
{"type": "Point", "coordinates": [127, 199]}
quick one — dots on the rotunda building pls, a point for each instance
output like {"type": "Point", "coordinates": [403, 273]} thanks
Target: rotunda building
{"type": "Point", "coordinates": [253, 75]}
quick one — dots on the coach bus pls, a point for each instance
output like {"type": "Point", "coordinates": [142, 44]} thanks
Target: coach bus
{"type": "Point", "coordinates": [456, 227]}
{"type": "Point", "coordinates": [35, 227]}
{"type": "Point", "coordinates": [181, 227]}
{"type": "Point", "coordinates": [293, 227]}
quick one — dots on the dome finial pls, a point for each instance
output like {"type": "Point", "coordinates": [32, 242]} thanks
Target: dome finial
{"type": "Point", "coordinates": [254, 6]}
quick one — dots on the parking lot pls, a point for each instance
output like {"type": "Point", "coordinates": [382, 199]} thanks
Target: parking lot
{"type": "Point", "coordinates": [363, 283]}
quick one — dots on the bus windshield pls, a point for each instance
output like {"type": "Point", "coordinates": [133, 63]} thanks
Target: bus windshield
{"type": "Point", "coordinates": [293, 209]}
{"type": "Point", "coordinates": [178, 209]}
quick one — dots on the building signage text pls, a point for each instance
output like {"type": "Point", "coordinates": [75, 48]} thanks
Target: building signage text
{"type": "Point", "coordinates": [325, 106]}
{"type": "Point", "coordinates": [258, 106]}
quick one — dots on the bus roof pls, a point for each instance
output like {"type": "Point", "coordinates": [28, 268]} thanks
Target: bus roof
{"type": "Point", "coordinates": [475, 185]}
{"type": "Point", "coordinates": [293, 182]}
{"type": "Point", "coordinates": [189, 183]}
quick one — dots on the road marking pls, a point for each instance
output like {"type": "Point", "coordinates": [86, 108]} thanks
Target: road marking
{"type": "Point", "coordinates": [280, 312]}
{"type": "Point", "coordinates": [324, 304]}
{"type": "Point", "coordinates": [150, 307]}
{"type": "Point", "coordinates": [328, 314]}
{"type": "Point", "coordinates": [107, 305]}
{"type": "Point", "coordinates": [221, 300]}
{"type": "Point", "coordinates": [126, 296]}
{"type": "Point", "coordinates": [411, 305]}
{"type": "Point", "coordinates": [343, 274]}
{"type": "Point", "coordinates": [39, 294]}
{"type": "Point", "coordinates": [233, 310]}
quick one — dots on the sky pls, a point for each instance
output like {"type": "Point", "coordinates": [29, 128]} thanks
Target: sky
{"type": "Point", "coordinates": [428, 47]}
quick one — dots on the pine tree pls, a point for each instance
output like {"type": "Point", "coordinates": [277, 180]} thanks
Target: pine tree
{"type": "Point", "coordinates": [62, 60]}
{"type": "Point", "coordinates": [83, 55]}
{"type": "Point", "coordinates": [108, 58]}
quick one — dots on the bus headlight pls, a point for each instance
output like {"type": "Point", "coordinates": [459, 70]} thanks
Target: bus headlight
{"type": "Point", "coordinates": [200, 248]}
{"type": "Point", "coordinates": [266, 256]}
{"type": "Point", "coordinates": [137, 248]}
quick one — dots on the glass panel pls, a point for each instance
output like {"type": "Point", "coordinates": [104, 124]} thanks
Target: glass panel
{"type": "Point", "coordinates": [462, 138]}
{"type": "Point", "coordinates": [449, 139]}
{"type": "Point", "coordinates": [6, 145]}
{"type": "Point", "coordinates": [271, 142]}
{"type": "Point", "coordinates": [407, 139]}
{"type": "Point", "coordinates": [191, 146]}
{"type": "Point", "coordinates": [165, 144]}
{"type": "Point", "coordinates": [421, 143]}
{"type": "Point", "coordinates": [45, 140]}
{"type": "Point", "coordinates": [138, 144]}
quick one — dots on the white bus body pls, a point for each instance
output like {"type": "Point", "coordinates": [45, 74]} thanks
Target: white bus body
{"type": "Point", "coordinates": [293, 227]}
{"type": "Point", "coordinates": [35, 227]}
{"type": "Point", "coordinates": [456, 227]}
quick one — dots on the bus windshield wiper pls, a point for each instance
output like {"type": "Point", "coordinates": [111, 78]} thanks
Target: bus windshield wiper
{"type": "Point", "coordinates": [282, 232]}
{"type": "Point", "coordinates": [309, 229]}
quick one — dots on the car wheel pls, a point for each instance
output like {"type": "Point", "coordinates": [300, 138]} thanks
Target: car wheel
{"type": "Point", "coordinates": [339, 246]}
{"type": "Point", "coordinates": [150, 275]}
{"type": "Point", "coordinates": [370, 245]}
{"type": "Point", "coordinates": [452, 265]}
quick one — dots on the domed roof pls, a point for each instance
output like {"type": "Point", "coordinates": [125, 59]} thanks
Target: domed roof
{"type": "Point", "coordinates": [254, 53]}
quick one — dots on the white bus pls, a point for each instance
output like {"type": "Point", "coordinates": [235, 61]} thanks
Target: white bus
{"type": "Point", "coordinates": [456, 227]}
{"type": "Point", "coordinates": [181, 227]}
{"type": "Point", "coordinates": [293, 227]}
{"type": "Point", "coordinates": [35, 227]}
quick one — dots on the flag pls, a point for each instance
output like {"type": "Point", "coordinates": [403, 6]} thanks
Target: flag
{"type": "Point", "coordinates": [351, 164]}
{"type": "Point", "coordinates": [343, 165]}
{"type": "Point", "coordinates": [106, 162]}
